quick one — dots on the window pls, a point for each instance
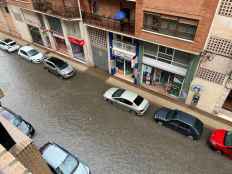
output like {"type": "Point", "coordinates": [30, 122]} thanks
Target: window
{"type": "Point", "coordinates": [23, 52]}
{"type": "Point", "coordinates": [126, 102]}
{"type": "Point", "coordinates": [170, 25]}
{"type": "Point", "coordinates": [50, 64]}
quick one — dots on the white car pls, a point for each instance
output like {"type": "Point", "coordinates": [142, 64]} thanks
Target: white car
{"type": "Point", "coordinates": [126, 98]}
{"type": "Point", "coordinates": [9, 45]}
{"type": "Point", "coordinates": [61, 161]}
{"type": "Point", "coordinates": [31, 54]}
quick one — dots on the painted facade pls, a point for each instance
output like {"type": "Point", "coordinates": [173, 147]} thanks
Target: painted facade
{"type": "Point", "coordinates": [214, 74]}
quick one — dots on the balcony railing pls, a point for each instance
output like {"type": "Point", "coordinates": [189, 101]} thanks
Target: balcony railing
{"type": "Point", "coordinates": [108, 23]}
{"type": "Point", "coordinates": [46, 6]}
{"type": "Point", "coordinates": [124, 46]}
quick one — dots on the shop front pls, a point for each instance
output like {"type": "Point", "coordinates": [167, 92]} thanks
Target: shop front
{"type": "Point", "coordinates": [166, 70]}
{"type": "Point", "coordinates": [165, 81]}
{"type": "Point", "coordinates": [124, 63]}
{"type": "Point", "coordinates": [35, 34]}
{"type": "Point", "coordinates": [77, 47]}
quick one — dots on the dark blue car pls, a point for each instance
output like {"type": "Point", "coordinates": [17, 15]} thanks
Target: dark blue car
{"type": "Point", "coordinates": [179, 121]}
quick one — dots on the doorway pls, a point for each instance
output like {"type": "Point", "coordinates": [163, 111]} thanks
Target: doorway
{"type": "Point", "coordinates": [228, 103]}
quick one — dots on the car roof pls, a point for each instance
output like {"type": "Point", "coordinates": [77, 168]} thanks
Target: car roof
{"type": "Point", "coordinates": [186, 118]}
{"type": "Point", "coordinates": [129, 95]}
{"type": "Point", "coordinates": [8, 40]}
{"type": "Point", "coordinates": [54, 155]}
{"type": "Point", "coordinates": [26, 48]}
{"type": "Point", "coordinates": [56, 60]}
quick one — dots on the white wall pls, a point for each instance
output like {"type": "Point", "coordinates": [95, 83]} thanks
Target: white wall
{"type": "Point", "coordinates": [21, 26]}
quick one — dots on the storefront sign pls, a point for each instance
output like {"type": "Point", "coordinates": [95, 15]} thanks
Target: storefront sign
{"type": "Point", "coordinates": [76, 41]}
{"type": "Point", "coordinates": [165, 66]}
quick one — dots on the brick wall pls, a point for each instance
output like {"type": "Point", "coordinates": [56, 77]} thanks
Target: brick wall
{"type": "Point", "coordinates": [22, 3]}
{"type": "Point", "coordinates": [202, 10]}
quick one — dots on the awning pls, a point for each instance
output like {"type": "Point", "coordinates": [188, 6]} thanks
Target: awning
{"type": "Point", "coordinates": [165, 66]}
{"type": "Point", "coordinates": [76, 41]}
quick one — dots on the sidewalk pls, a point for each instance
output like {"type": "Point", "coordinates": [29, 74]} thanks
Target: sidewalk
{"type": "Point", "coordinates": [211, 121]}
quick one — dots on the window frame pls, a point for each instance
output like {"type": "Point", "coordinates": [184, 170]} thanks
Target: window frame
{"type": "Point", "coordinates": [169, 19]}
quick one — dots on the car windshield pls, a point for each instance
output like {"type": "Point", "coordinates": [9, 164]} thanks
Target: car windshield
{"type": "Point", "coordinates": [8, 115]}
{"type": "Point", "coordinates": [17, 121]}
{"type": "Point", "coordinates": [33, 52]}
{"type": "Point", "coordinates": [68, 165]}
{"type": "Point", "coordinates": [118, 93]}
{"type": "Point", "coordinates": [198, 125]}
{"type": "Point", "coordinates": [12, 44]}
{"type": "Point", "coordinates": [228, 139]}
{"type": "Point", "coordinates": [171, 114]}
{"type": "Point", "coordinates": [138, 100]}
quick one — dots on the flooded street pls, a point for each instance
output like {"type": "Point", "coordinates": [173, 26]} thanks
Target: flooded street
{"type": "Point", "coordinates": [110, 140]}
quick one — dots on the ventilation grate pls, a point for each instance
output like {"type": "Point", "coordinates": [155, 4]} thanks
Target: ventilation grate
{"type": "Point", "coordinates": [211, 76]}
{"type": "Point", "coordinates": [226, 8]}
{"type": "Point", "coordinates": [220, 46]}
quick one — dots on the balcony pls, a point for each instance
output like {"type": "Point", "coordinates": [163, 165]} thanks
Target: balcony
{"type": "Point", "coordinates": [61, 8]}
{"type": "Point", "coordinates": [124, 46]}
{"type": "Point", "coordinates": [3, 2]}
{"type": "Point", "coordinates": [108, 23]}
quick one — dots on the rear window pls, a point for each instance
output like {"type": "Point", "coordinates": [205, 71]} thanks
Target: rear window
{"type": "Point", "coordinates": [118, 93]}
{"type": "Point", "coordinates": [138, 100]}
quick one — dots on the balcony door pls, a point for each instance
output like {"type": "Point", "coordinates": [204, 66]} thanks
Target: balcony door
{"type": "Point", "coordinates": [228, 103]}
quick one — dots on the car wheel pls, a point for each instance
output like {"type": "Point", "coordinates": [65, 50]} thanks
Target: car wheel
{"type": "Point", "coordinates": [219, 152]}
{"type": "Point", "coordinates": [160, 123]}
{"type": "Point", "coordinates": [190, 137]}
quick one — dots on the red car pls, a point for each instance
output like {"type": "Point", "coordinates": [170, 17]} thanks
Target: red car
{"type": "Point", "coordinates": [221, 140]}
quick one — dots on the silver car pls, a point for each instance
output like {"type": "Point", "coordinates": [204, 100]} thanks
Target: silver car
{"type": "Point", "coordinates": [59, 67]}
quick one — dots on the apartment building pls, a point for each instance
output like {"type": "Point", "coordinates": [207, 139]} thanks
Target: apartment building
{"type": "Point", "coordinates": [18, 154]}
{"type": "Point", "coordinates": [213, 81]}
{"type": "Point", "coordinates": [52, 24]}
{"type": "Point", "coordinates": [155, 44]}
{"type": "Point", "coordinates": [6, 22]}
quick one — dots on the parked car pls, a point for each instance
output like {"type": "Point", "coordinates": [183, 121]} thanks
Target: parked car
{"type": "Point", "coordinates": [31, 54]}
{"type": "Point", "coordinates": [17, 121]}
{"type": "Point", "coordinates": [9, 45]}
{"type": "Point", "coordinates": [179, 121]}
{"type": "Point", "coordinates": [59, 67]}
{"type": "Point", "coordinates": [221, 140]}
{"type": "Point", "coordinates": [126, 98]}
{"type": "Point", "coordinates": [61, 161]}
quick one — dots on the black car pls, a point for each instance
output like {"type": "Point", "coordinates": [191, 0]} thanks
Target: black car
{"type": "Point", "coordinates": [59, 67]}
{"type": "Point", "coordinates": [179, 121]}
{"type": "Point", "coordinates": [17, 121]}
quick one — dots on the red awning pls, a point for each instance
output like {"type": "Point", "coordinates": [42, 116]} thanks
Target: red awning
{"type": "Point", "coordinates": [76, 41]}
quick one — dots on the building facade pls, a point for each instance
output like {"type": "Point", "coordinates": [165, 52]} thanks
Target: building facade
{"type": "Point", "coordinates": [155, 45]}
{"type": "Point", "coordinates": [213, 81]}
{"type": "Point", "coordinates": [162, 46]}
